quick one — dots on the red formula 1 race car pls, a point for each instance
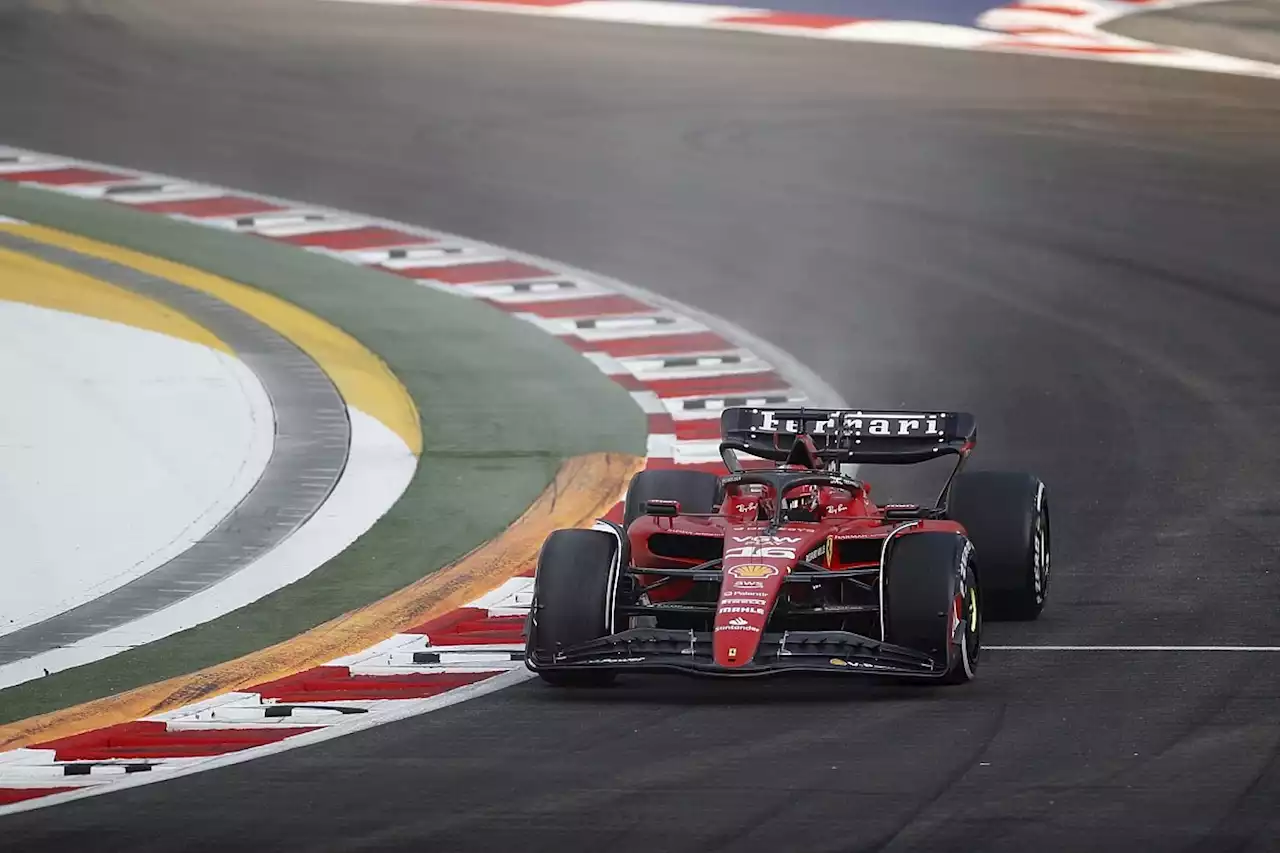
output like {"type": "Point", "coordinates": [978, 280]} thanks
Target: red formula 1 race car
{"type": "Point", "coordinates": [790, 566]}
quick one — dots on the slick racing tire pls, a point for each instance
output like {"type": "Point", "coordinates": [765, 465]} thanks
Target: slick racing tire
{"type": "Point", "coordinates": [1007, 517]}
{"type": "Point", "coordinates": [572, 599]}
{"type": "Point", "coordinates": [696, 491]}
{"type": "Point", "coordinates": [932, 601]}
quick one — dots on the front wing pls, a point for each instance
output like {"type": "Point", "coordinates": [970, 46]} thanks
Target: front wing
{"type": "Point", "coordinates": [690, 653]}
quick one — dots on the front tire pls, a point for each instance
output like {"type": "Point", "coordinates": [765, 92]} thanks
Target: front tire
{"type": "Point", "coordinates": [573, 597]}
{"type": "Point", "coordinates": [932, 601]}
{"type": "Point", "coordinates": [696, 491]}
{"type": "Point", "coordinates": [1006, 515]}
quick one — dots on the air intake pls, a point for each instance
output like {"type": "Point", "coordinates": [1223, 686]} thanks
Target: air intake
{"type": "Point", "coordinates": [677, 546]}
{"type": "Point", "coordinates": [858, 550]}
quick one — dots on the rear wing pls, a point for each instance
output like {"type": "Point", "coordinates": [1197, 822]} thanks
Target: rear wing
{"type": "Point", "coordinates": [870, 436]}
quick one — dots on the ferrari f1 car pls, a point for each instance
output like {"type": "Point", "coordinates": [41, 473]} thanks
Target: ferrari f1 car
{"type": "Point", "coordinates": [786, 564]}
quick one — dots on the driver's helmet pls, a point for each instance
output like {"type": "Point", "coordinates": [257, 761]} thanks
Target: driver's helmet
{"type": "Point", "coordinates": [802, 504]}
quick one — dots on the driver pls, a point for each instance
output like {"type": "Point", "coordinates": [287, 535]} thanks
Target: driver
{"type": "Point", "coordinates": [813, 503]}
{"type": "Point", "coordinates": [808, 503]}
{"type": "Point", "coordinates": [802, 504]}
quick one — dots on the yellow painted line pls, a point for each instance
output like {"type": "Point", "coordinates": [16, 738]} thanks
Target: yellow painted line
{"type": "Point", "coordinates": [363, 379]}
{"type": "Point", "coordinates": [33, 281]}
{"type": "Point", "coordinates": [585, 488]}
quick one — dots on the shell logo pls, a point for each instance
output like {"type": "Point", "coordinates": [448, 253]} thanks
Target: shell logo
{"type": "Point", "coordinates": [753, 571]}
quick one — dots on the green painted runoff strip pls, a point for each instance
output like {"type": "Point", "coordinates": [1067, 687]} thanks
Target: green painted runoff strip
{"type": "Point", "coordinates": [502, 405]}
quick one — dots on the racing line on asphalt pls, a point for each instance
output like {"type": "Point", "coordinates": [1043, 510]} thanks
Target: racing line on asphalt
{"type": "Point", "coordinates": [1080, 254]}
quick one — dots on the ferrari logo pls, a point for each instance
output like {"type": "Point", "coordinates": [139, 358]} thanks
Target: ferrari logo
{"type": "Point", "coordinates": [831, 550]}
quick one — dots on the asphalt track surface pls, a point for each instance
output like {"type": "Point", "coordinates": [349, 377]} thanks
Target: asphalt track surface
{"type": "Point", "coordinates": [1247, 28]}
{"type": "Point", "coordinates": [1082, 254]}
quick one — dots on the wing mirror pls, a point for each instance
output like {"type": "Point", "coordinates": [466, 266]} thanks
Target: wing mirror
{"type": "Point", "coordinates": [662, 508]}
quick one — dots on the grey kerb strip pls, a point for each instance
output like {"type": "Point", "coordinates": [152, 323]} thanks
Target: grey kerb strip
{"type": "Point", "coordinates": [312, 439]}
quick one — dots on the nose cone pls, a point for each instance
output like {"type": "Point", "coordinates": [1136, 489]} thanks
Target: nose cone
{"type": "Point", "coordinates": [747, 595]}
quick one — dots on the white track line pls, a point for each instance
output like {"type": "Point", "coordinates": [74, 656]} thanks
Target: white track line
{"type": "Point", "coordinates": [1132, 648]}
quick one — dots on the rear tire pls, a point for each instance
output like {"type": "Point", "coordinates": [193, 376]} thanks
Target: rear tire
{"type": "Point", "coordinates": [1006, 515]}
{"type": "Point", "coordinates": [932, 601]}
{"type": "Point", "coordinates": [572, 599]}
{"type": "Point", "coordinates": [696, 491]}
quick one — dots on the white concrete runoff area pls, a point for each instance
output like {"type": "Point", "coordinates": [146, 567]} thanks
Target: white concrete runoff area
{"type": "Point", "coordinates": [378, 471]}
{"type": "Point", "coordinates": [119, 449]}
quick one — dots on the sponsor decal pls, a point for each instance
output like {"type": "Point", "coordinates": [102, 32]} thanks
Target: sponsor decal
{"type": "Point", "coordinates": [831, 551]}
{"type": "Point", "coordinates": [853, 663]}
{"type": "Point", "coordinates": [844, 536]}
{"type": "Point", "coordinates": [614, 660]}
{"type": "Point", "coordinates": [966, 592]}
{"type": "Point", "coordinates": [736, 597]}
{"type": "Point", "coordinates": [737, 623]}
{"type": "Point", "coordinates": [769, 552]}
{"type": "Point", "coordinates": [881, 424]}
{"type": "Point", "coordinates": [746, 508]}
{"type": "Point", "coordinates": [733, 652]}
{"type": "Point", "coordinates": [755, 611]}
{"type": "Point", "coordinates": [1041, 575]}
{"type": "Point", "coordinates": [752, 570]}
{"type": "Point", "coordinates": [817, 553]}
{"type": "Point", "coordinates": [836, 509]}
{"type": "Point", "coordinates": [739, 587]}
{"type": "Point", "coordinates": [767, 547]}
